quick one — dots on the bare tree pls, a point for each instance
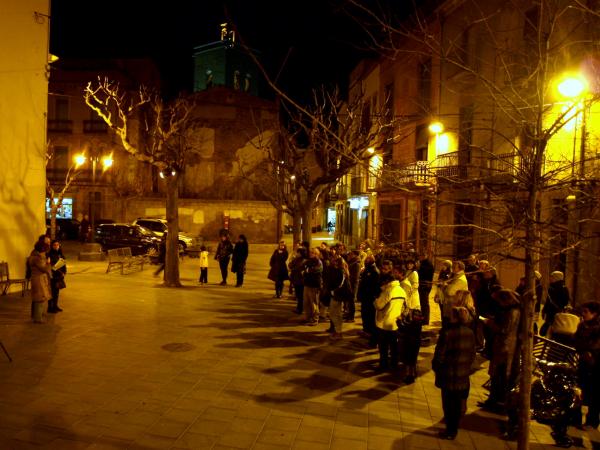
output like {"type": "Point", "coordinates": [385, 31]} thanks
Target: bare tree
{"type": "Point", "coordinates": [56, 194]}
{"type": "Point", "coordinates": [497, 65]}
{"type": "Point", "coordinates": [314, 149]}
{"type": "Point", "coordinates": [154, 132]}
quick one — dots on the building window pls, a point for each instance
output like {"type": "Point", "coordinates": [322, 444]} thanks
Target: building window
{"type": "Point", "coordinates": [425, 85]}
{"type": "Point", "coordinates": [60, 157]}
{"type": "Point", "coordinates": [421, 143]}
{"type": "Point", "coordinates": [465, 134]}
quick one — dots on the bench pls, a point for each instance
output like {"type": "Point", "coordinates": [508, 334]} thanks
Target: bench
{"type": "Point", "coordinates": [122, 257]}
{"type": "Point", "coordinates": [549, 350]}
{"type": "Point", "coordinates": [6, 281]}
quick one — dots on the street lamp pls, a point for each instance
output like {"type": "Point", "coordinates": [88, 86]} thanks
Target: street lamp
{"type": "Point", "coordinates": [106, 161]}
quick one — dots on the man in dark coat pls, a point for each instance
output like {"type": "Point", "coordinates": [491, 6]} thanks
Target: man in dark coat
{"type": "Point", "coordinates": [368, 290]}
{"type": "Point", "coordinates": [425, 272]}
{"type": "Point", "coordinates": [223, 255]}
{"type": "Point", "coordinates": [238, 260]}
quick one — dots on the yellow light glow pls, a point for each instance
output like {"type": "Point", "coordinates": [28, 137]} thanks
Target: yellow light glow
{"type": "Point", "coordinates": [442, 144]}
{"type": "Point", "coordinates": [436, 127]}
{"type": "Point", "coordinates": [79, 159]}
{"type": "Point", "coordinates": [572, 86]}
{"type": "Point", "coordinates": [371, 150]}
{"type": "Point", "coordinates": [107, 161]}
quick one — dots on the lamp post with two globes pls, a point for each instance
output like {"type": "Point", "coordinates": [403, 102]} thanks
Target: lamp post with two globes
{"type": "Point", "coordinates": [106, 161]}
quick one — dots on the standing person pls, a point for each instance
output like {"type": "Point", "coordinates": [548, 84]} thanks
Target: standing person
{"type": "Point", "coordinates": [39, 265]}
{"type": "Point", "coordinates": [411, 323]}
{"type": "Point", "coordinates": [223, 254]}
{"type": "Point", "coordinates": [587, 343]}
{"type": "Point", "coordinates": [341, 292]}
{"type": "Point", "coordinates": [162, 254]}
{"type": "Point", "coordinates": [279, 270]}
{"type": "Point", "coordinates": [57, 280]}
{"type": "Point", "coordinates": [203, 265]}
{"type": "Point", "coordinates": [504, 363]}
{"type": "Point", "coordinates": [388, 308]}
{"type": "Point", "coordinates": [458, 282]}
{"type": "Point", "coordinates": [452, 361]}
{"type": "Point", "coordinates": [84, 229]}
{"type": "Point", "coordinates": [425, 272]}
{"type": "Point", "coordinates": [368, 290]}
{"type": "Point", "coordinates": [444, 275]}
{"type": "Point", "coordinates": [558, 298]}
{"type": "Point", "coordinates": [312, 280]}
{"type": "Point", "coordinates": [354, 266]}
{"type": "Point", "coordinates": [296, 267]}
{"type": "Point", "coordinates": [238, 261]}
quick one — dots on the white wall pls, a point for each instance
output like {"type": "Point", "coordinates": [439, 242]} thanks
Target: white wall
{"type": "Point", "coordinates": [23, 105]}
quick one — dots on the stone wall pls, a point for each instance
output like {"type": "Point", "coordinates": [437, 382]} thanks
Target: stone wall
{"type": "Point", "coordinates": [256, 219]}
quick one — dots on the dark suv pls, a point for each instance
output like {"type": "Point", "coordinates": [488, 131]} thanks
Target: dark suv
{"type": "Point", "coordinates": [65, 229]}
{"type": "Point", "coordinates": [116, 235]}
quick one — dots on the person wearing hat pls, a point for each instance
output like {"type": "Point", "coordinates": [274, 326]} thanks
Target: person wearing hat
{"type": "Point", "coordinates": [556, 301]}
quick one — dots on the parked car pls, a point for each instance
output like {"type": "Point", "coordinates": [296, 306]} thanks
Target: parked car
{"type": "Point", "coordinates": [65, 229]}
{"type": "Point", "coordinates": [187, 242]}
{"type": "Point", "coordinates": [116, 235]}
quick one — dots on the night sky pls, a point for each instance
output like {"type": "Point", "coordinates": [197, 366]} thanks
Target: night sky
{"type": "Point", "coordinates": [323, 43]}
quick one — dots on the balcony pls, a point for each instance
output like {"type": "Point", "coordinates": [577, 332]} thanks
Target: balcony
{"type": "Point", "coordinates": [60, 126]}
{"type": "Point", "coordinates": [94, 126]}
{"type": "Point", "coordinates": [414, 174]}
{"type": "Point", "coordinates": [476, 164]}
{"type": "Point", "coordinates": [358, 185]}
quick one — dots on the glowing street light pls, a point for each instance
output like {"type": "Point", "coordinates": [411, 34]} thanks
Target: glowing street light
{"type": "Point", "coordinates": [436, 127]}
{"type": "Point", "coordinates": [572, 86]}
{"type": "Point", "coordinates": [371, 150]}
{"type": "Point", "coordinates": [80, 160]}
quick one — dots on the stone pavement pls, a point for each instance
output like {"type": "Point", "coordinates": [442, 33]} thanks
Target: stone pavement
{"type": "Point", "coordinates": [132, 365]}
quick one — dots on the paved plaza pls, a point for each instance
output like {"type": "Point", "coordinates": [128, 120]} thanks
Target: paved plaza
{"type": "Point", "coordinates": [130, 364]}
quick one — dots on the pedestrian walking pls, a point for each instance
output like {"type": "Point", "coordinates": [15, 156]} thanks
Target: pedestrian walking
{"type": "Point", "coordinates": [39, 265]}
{"type": "Point", "coordinates": [452, 361]}
{"type": "Point", "coordinates": [223, 255]}
{"type": "Point", "coordinates": [341, 292]}
{"type": "Point", "coordinates": [238, 260]}
{"type": "Point", "coordinates": [57, 279]}
{"type": "Point", "coordinates": [279, 271]}
{"type": "Point", "coordinates": [203, 265]}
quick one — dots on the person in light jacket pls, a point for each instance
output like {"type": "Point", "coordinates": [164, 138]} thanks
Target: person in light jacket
{"type": "Point", "coordinates": [388, 308]}
{"type": "Point", "coordinates": [39, 264]}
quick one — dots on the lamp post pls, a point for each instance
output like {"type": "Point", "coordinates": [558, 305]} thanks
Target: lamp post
{"type": "Point", "coordinates": [574, 88]}
{"type": "Point", "coordinates": [106, 161]}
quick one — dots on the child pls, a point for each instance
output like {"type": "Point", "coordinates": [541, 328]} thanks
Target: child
{"type": "Point", "coordinates": [203, 265]}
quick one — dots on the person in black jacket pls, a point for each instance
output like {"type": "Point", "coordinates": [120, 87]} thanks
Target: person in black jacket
{"type": "Point", "coordinates": [162, 254]}
{"type": "Point", "coordinates": [558, 298]}
{"type": "Point", "coordinates": [368, 291]}
{"type": "Point", "coordinates": [425, 272]}
{"type": "Point", "coordinates": [223, 255]}
{"type": "Point", "coordinates": [238, 260]}
{"type": "Point", "coordinates": [57, 281]}
{"type": "Point", "coordinates": [279, 271]}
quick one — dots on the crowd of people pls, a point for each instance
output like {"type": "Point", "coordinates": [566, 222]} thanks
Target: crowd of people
{"type": "Point", "coordinates": [478, 314]}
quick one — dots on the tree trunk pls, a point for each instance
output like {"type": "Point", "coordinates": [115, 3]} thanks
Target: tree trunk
{"type": "Point", "coordinates": [307, 218]}
{"type": "Point", "coordinates": [172, 256]}
{"type": "Point", "coordinates": [53, 210]}
{"type": "Point", "coordinates": [296, 227]}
